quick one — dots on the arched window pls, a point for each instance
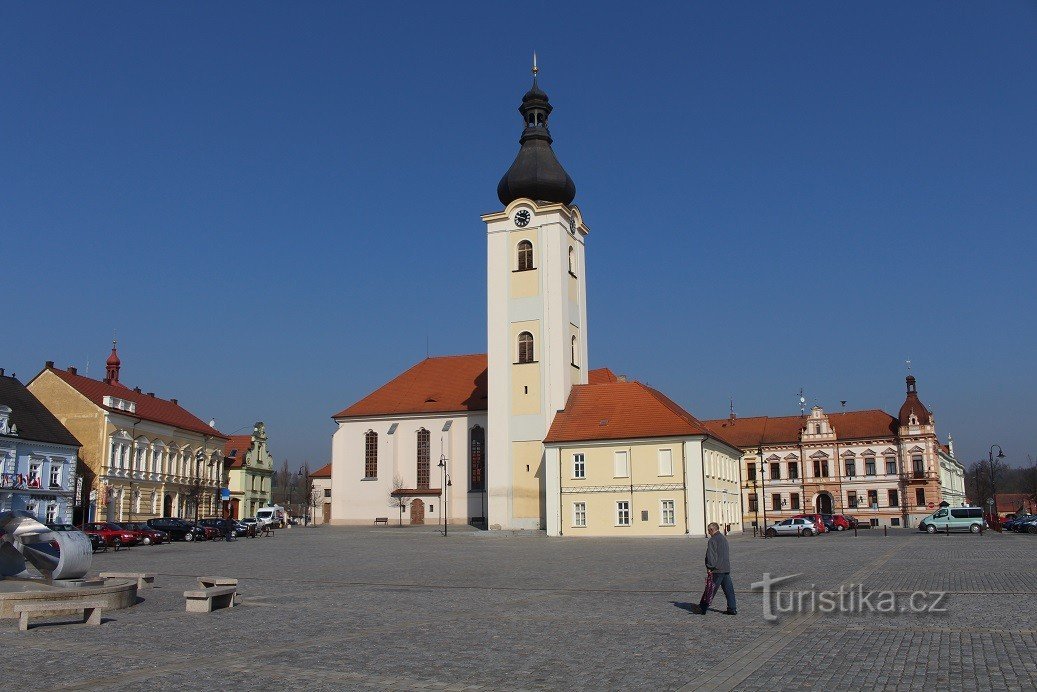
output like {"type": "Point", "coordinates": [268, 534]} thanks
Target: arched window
{"type": "Point", "coordinates": [370, 454]}
{"type": "Point", "coordinates": [525, 347]}
{"type": "Point", "coordinates": [525, 255]}
{"type": "Point", "coordinates": [478, 458]}
{"type": "Point", "coordinates": [573, 352]}
{"type": "Point", "coordinates": [572, 261]}
{"type": "Point", "coordinates": [423, 458]}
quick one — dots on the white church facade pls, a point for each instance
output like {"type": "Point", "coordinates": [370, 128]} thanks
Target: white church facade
{"type": "Point", "coordinates": [526, 436]}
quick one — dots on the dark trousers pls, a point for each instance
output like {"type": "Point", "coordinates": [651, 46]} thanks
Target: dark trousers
{"type": "Point", "coordinates": [723, 580]}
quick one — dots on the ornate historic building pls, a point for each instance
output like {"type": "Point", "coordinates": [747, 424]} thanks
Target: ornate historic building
{"type": "Point", "coordinates": [144, 456]}
{"type": "Point", "coordinates": [883, 469]}
{"type": "Point", "coordinates": [249, 469]}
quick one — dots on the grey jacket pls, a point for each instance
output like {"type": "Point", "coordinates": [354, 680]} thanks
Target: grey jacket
{"type": "Point", "coordinates": [718, 554]}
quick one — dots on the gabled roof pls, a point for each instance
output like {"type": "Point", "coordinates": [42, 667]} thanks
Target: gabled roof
{"type": "Point", "coordinates": [322, 472]}
{"type": "Point", "coordinates": [442, 384]}
{"type": "Point", "coordinates": [34, 421]}
{"type": "Point", "coordinates": [235, 449]}
{"type": "Point", "coordinates": [778, 430]}
{"type": "Point", "coordinates": [622, 411]}
{"type": "Point", "coordinates": [150, 408]}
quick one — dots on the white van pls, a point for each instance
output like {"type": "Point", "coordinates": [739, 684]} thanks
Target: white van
{"type": "Point", "coordinates": [274, 515]}
{"type": "Point", "coordinates": [954, 519]}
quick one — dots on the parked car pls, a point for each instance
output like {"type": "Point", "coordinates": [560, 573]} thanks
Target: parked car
{"type": "Point", "coordinates": [113, 535]}
{"type": "Point", "coordinates": [146, 534]}
{"type": "Point", "coordinates": [815, 519]}
{"type": "Point", "coordinates": [836, 522]}
{"type": "Point", "coordinates": [853, 520]}
{"type": "Point", "coordinates": [220, 525]}
{"type": "Point", "coordinates": [178, 529]}
{"type": "Point", "coordinates": [792, 527]}
{"type": "Point", "coordinates": [954, 519]}
{"type": "Point", "coordinates": [1024, 524]}
{"type": "Point", "coordinates": [96, 543]}
{"type": "Point", "coordinates": [251, 525]}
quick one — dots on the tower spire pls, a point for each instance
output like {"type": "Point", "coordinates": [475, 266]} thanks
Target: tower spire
{"type": "Point", "coordinates": [113, 364]}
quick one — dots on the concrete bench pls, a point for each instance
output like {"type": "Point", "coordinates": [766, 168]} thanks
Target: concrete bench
{"type": "Point", "coordinates": [89, 610]}
{"type": "Point", "coordinates": [381, 520]}
{"type": "Point", "coordinates": [210, 599]}
{"type": "Point", "coordinates": [144, 579]}
{"type": "Point", "coordinates": [209, 582]}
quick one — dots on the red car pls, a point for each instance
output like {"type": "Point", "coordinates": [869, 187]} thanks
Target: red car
{"type": "Point", "coordinates": [145, 534]}
{"type": "Point", "coordinates": [113, 535]}
{"type": "Point", "coordinates": [816, 518]}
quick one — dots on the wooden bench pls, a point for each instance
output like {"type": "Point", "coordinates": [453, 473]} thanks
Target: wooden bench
{"type": "Point", "coordinates": [210, 599]}
{"type": "Point", "coordinates": [209, 582]}
{"type": "Point", "coordinates": [267, 530]}
{"type": "Point", "coordinates": [381, 520]}
{"type": "Point", "coordinates": [90, 610]}
{"type": "Point", "coordinates": [144, 579]}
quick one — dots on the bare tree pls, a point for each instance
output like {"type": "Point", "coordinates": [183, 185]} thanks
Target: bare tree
{"type": "Point", "coordinates": [283, 482]}
{"type": "Point", "coordinates": [397, 500]}
{"type": "Point", "coordinates": [315, 498]}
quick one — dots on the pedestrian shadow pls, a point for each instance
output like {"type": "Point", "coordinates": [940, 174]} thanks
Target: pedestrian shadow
{"type": "Point", "coordinates": [690, 607]}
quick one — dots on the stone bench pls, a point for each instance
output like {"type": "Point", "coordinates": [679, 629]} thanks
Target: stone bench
{"type": "Point", "coordinates": [144, 580]}
{"type": "Point", "coordinates": [381, 520]}
{"type": "Point", "coordinates": [89, 610]}
{"type": "Point", "coordinates": [209, 599]}
{"type": "Point", "coordinates": [209, 582]}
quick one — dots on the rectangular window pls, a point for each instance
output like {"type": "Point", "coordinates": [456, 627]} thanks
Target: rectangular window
{"type": "Point", "coordinates": [851, 499]}
{"type": "Point", "coordinates": [370, 454]}
{"type": "Point", "coordinates": [794, 500]}
{"type": "Point", "coordinates": [894, 498]}
{"type": "Point", "coordinates": [873, 498]}
{"type": "Point", "coordinates": [874, 523]}
{"type": "Point", "coordinates": [869, 466]}
{"type": "Point", "coordinates": [669, 516]}
{"type": "Point", "coordinates": [776, 502]}
{"type": "Point", "coordinates": [753, 507]}
{"type": "Point", "coordinates": [622, 466]}
{"type": "Point", "coordinates": [824, 468]}
{"type": "Point", "coordinates": [623, 513]}
{"type": "Point", "coordinates": [55, 475]}
{"type": "Point", "coordinates": [775, 471]}
{"type": "Point", "coordinates": [750, 471]}
{"type": "Point", "coordinates": [665, 462]}
{"type": "Point", "coordinates": [851, 468]}
{"type": "Point", "coordinates": [920, 497]}
{"type": "Point", "coordinates": [895, 521]}
{"type": "Point", "coordinates": [579, 514]}
{"type": "Point", "coordinates": [579, 466]}
{"type": "Point", "coordinates": [35, 469]}
{"type": "Point", "coordinates": [891, 466]}
{"type": "Point", "coordinates": [793, 470]}
{"type": "Point", "coordinates": [327, 492]}
{"type": "Point", "coordinates": [52, 513]}
{"type": "Point", "coordinates": [919, 466]}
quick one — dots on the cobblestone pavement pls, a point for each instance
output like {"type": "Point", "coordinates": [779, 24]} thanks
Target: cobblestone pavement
{"type": "Point", "coordinates": [389, 608]}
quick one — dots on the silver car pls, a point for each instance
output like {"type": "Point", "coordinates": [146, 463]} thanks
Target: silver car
{"type": "Point", "coordinates": [792, 527]}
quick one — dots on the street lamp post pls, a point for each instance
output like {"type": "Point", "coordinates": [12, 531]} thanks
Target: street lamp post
{"type": "Point", "coordinates": [993, 489]}
{"type": "Point", "coordinates": [763, 489]}
{"type": "Point", "coordinates": [445, 485]}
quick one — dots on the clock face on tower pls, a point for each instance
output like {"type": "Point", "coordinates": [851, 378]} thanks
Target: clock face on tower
{"type": "Point", "coordinates": [522, 218]}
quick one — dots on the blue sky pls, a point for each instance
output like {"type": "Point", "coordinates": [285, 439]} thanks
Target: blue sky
{"type": "Point", "coordinates": [276, 205]}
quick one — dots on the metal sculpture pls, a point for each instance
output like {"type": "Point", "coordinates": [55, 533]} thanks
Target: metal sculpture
{"type": "Point", "coordinates": [25, 540]}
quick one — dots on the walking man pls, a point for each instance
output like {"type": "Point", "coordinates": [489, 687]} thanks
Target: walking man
{"type": "Point", "coordinates": [718, 571]}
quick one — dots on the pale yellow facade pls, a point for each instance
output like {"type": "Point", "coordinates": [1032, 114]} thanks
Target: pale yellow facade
{"type": "Point", "coordinates": [525, 283]}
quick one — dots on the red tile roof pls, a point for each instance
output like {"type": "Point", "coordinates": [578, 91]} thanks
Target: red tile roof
{"type": "Point", "coordinates": [601, 376]}
{"type": "Point", "coordinates": [322, 472]}
{"type": "Point", "coordinates": [767, 430]}
{"type": "Point", "coordinates": [149, 408]}
{"type": "Point", "coordinates": [436, 385]}
{"type": "Point", "coordinates": [235, 449]}
{"type": "Point", "coordinates": [620, 411]}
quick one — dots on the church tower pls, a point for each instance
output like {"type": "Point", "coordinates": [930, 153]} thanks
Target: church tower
{"type": "Point", "coordinates": [536, 317]}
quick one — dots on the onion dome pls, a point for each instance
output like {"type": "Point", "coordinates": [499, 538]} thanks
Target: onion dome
{"type": "Point", "coordinates": [112, 366]}
{"type": "Point", "coordinates": [914, 406]}
{"type": "Point", "coordinates": [536, 173]}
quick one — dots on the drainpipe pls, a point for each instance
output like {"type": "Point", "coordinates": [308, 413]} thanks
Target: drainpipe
{"type": "Point", "coordinates": [684, 465]}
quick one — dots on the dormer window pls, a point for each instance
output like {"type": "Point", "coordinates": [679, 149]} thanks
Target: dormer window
{"type": "Point", "coordinates": [817, 428]}
{"type": "Point", "coordinates": [5, 420]}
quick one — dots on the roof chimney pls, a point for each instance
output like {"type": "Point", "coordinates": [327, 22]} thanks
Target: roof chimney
{"type": "Point", "coordinates": [151, 394]}
{"type": "Point", "coordinates": [1, 372]}
{"type": "Point", "coordinates": [72, 370]}
{"type": "Point", "coordinates": [137, 389]}
{"type": "Point", "coordinates": [49, 364]}
{"type": "Point", "coordinates": [621, 378]}
{"type": "Point", "coordinates": [174, 402]}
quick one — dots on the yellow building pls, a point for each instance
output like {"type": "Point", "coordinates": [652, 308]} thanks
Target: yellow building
{"type": "Point", "coordinates": [250, 473]}
{"type": "Point", "coordinates": [145, 456]}
{"type": "Point", "coordinates": [622, 459]}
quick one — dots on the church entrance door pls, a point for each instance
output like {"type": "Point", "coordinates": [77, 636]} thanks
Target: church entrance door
{"type": "Point", "coordinates": [327, 512]}
{"type": "Point", "coordinates": [824, 503]}
{"type": "Point", "coordinates": [417, 512]}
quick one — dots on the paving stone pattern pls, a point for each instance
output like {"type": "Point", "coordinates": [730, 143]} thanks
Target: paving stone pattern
{"type": "Point", "coordinates": [388, 608]}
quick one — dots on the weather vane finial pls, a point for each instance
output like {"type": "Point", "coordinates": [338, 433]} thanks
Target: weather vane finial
{"type": "Point", "coordinates": [535, 68]}
{"type": "Point", "coordinates": [908, 361]}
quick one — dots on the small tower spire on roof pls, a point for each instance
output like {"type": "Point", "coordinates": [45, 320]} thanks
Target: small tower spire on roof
{"type": "Point", "coordinates": [112, 365]}
{"type": "Point", "coordinates": [535, 68]}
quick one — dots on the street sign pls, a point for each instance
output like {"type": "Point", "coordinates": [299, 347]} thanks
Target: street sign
{"type": "Point", "coordinates": [931, 505]}
{"type": "Point", "coordinates": [990, 502]}
{"type": "Point", "coordinates": [225, 493]}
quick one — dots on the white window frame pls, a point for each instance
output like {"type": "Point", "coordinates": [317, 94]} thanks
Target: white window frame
{"type": "Point", "coordinates": [579, 465]}
{"type": "Point", "coordinates": [620, 509]}
{"type": "Point", "coordinates": [55, 474]}
{"type": "Point", "coordinates": [580, 515]}
{"type": "Point", "coordinates": [623, 472]}
{"type": "Point", "coordinates": [52, 513]}
{"type": "Point", "coordinates": [666, 462]}
{"type": "Point", "coordinates": [663, 509]}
